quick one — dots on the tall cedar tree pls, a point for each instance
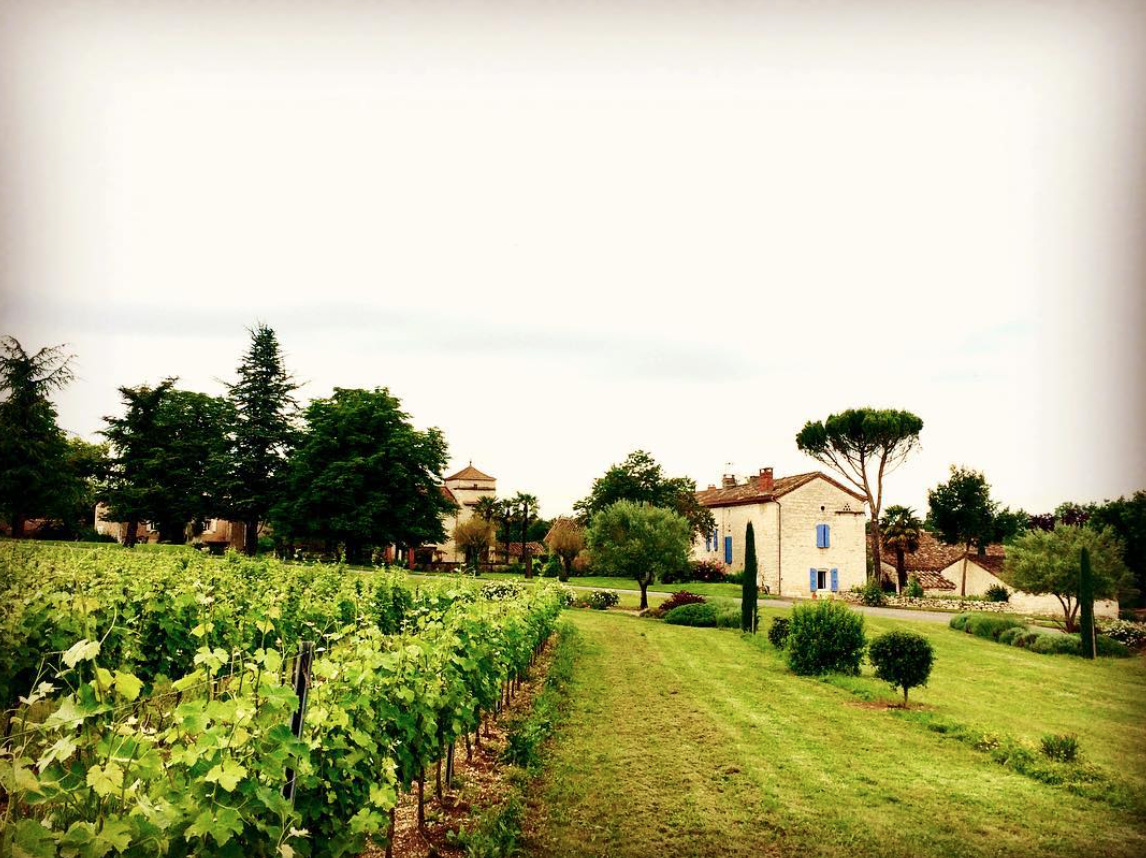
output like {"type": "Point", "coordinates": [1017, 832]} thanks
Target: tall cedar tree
{"type": "Point", "coordinates": [170, 459]}
{"type": "Point", "coordinates": [363, 477]}
{"type": "Point", "coordinates": [863, 445]}
{"type": "Point", "coordinates": [265, 411]}
{"type": "Point", "coordinates": [641, 479]}
{"type": "Point", "coordinates": [748, 607]}
{"type": "Point", "coordinates": [33, 450]}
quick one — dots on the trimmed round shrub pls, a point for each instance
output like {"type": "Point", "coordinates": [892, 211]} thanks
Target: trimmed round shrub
{"type": "Point", "coordinates": [825, 637]}
{"type": "Point", "coordinates": [1057, 645]}
{"type": "Point", "coordinates": [1024, 639]}
{"type": "Point", "coordinates": [872, 595]}
{"type": "Point", "coordinates": [902, 659]}
{"type": "Point", "coordinates": [959, 622]}
{"type": "Point", "coordinates": [997, 593]}
{"type": "Point", "coordinates": [1113, 648]}
{"type": "Point", "coordinates": [778, 631]}
{"type": "Point", "coordinates": [694, 614]}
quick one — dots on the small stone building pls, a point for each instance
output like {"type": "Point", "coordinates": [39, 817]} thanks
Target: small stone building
{"type": "Point", "coordinates": [464, 489]}
{"type": "Point", "coordinates": [809, 532]}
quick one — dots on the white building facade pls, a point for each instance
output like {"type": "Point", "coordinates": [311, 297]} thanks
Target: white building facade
{"type": "Point", "coordinates": [808, 529]}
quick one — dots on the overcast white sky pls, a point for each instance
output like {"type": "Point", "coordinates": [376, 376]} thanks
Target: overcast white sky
{"type": "Point", "coordinates": [561, 232]}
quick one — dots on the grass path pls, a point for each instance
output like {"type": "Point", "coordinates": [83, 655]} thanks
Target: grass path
{"type": "Point", "coordinates": [697, 742]}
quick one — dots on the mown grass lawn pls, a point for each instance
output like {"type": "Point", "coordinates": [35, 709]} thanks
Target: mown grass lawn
{"type": "Point", "coordinates": [730, 591]}
{"type": "Point", "coordinates": [683, 741]}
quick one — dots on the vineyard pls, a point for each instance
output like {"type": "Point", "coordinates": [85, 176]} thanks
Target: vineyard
{"type": "Point", "coordinates": [158, 703]}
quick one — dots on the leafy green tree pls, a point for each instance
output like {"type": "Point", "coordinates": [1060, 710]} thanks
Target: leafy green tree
{"type": "Point", "coordinates": [863, 445]}
{"type": "Point", "coordinates": [33, 449]}
{"type": "Point", "coordinates": [1127, 518]}
{"type": "Point", "coordinates": [962, 513]}
{"type": "Point", "coordinates": [748, 606]}
{"type": "Point", "coordinates": [641, 479]}
{"type": "Point", "coordinates": [264, 432]}
{"type": "Point", "coordinates": [1086, 604]}
{"type": "Point", "coordinates": [902, 659]}
{"type": "Point", "coordinates": [170, 458]}
{"type": "Point", "coordinates": [1047, 561]}
{"type": "Point", "coordinates": [473, 536]}
{"type": "Point", "coordinates": [566, 539]}
{"type": "Point", "coordinates": [87, 469]}
{"type": "Point", "coordinates": [362, 476]}
{"type": "Point", "coordinates": [901, 530]}
{"type": "Point", "coordinates": [639, 541]}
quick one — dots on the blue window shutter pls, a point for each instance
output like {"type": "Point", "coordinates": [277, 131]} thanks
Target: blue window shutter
{"type": "Point", "coordinates": [827, 536]}
{"type": "Point", "coordinates": [820, 536]}
{"type": "Point", "coordinates": [728, 549]}
{"type": "Point", "coordinates": [812, 580]}
{"type": "Point", "coordinates": [835, 580]}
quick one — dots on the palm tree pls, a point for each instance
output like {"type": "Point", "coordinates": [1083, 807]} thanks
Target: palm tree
{"type": "Point", "coordinates": [487, 508]}
{"type": "Point", "coordinates": [900, 531]}
{"type": "Point", "coordinates": [505, 515]}
{"type": "Point", "coordinates": [527, 504]}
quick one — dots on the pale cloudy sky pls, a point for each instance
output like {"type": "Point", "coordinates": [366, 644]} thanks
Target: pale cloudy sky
{"type": "Point", "coordinates": [562, 231]}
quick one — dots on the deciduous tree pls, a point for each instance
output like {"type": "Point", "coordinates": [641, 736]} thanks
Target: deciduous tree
{"type": "Point", "coordinates": [639, 541]}
{"type": "Point", "coordinates": [1047, 562]}
{"type": "Point", "coordinates": [473, 536]}
{"type": "Point", "coordinates": [566, 539]}
{"type": "Point", "coordinates": [362, 476]}
{"type": "Point", "coordinates": [641, 479]}
{"type": "Point", "coordinates": [863, 445]}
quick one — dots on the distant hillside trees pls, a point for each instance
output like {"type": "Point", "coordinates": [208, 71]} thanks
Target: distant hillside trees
{"type": "Point", "coordinates": [363, 477]}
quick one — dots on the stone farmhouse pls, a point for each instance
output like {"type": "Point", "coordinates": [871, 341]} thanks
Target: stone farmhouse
{"type": "Point", "coordinates": [809, 532]}
{"type": "Point", "coordinates": [218, 534]}
{"type": "Point", "coordinates": [939, 568]}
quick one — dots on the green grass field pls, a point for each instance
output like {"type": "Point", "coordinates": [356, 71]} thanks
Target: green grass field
{"type": "Point", "coordinates": [700, 742]}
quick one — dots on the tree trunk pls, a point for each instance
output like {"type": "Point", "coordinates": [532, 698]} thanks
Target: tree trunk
{"type": "Point", "coordinates": [963, 580]}
{"type": "Point", "coordinates": [18, 520]}
{"type": "Point", "coordinates": [900, 570]}
{"type": "Point", "coordinates": [525, 558]}
{"type": "Point", "coordinates": [132, 535]}
{"type": "Point", "coordinates": [876, 568]}
{"type": "Point", "coordinates": [566, 567]}
{"type": "Point", "coordinates": [251, 537]}
{"type": "Point", "coordinates": [644, 595]}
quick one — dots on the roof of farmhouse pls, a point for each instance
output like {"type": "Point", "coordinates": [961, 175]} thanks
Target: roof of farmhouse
{"type": "Point", "coordinates": [755, 489]}
{"type": "Point", "coordinates": [469, 472]}
{"type": "Point", "coordinates": [934, 555]}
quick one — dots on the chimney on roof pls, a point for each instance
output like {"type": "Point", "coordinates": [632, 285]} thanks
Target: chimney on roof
{"type": "Point", "coordinates": [766, 482]}
{"type": "Point", "coordinates": [728, 481]}
{"type": "Point", "coordinates": [711, 486]}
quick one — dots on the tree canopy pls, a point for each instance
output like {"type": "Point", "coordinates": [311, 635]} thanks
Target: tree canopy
{"type": "Point", "coordinates": [362, 476]}
{"type": "Point", "coordinates": [33, 450]}
{"type": "Point", "coordinates": [474, 537]}
{"type": "Point", "coordinates": [1047, 562]}
{"type": "Point", "coordinates": [639, 541]}
{"type": "Point", "coordinates": [264, 431]}
{"type": "Point", "coordinates": [566, 539]}
{"type": "Point", "coordinates": [961, 512]}
{"type": "Point", "coordinates": [640, 479]}
{"type": "Point", "coordinates": [170, 458]}
{"type": "Point", "coordinates": [863, 445]}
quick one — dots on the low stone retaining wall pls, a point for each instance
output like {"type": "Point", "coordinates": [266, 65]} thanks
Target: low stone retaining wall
{"type": "Point", "coordinates": [955, 607]}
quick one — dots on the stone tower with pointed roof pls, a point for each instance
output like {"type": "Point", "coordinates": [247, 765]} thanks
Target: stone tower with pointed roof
{"type": "Point", "coordinates": [464, 488]}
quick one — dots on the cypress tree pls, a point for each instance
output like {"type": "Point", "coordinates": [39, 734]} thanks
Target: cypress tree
{"type": "Point", "coordinates": [1086, 604]}
{"type": "Point", "coordinates": [748, 587]}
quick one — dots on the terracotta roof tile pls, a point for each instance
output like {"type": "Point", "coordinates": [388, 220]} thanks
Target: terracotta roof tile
{"type": "Point", "coordinates": [934, 555]}
{"type": "Point", "coordinates": [469, 472]}
{"type": "Point", "coordinates": [750, 492]}
{"type": "Point", "coordinates": [448, 495]}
